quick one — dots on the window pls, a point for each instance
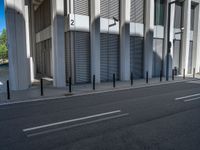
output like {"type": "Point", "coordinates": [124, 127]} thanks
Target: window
{"type": "Point", "coordinates": [159, 12]}
{"type": "Point", "coordinates": [192, 17]}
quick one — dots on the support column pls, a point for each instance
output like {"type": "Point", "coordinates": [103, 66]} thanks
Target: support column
{"type": "Point", "coordinates": [196, 50]}
{"type": "Point", "coordinates": [19, 73]}
{"type": "Point", "coordinates": [125, 6]}
{"type": "Point", "coordinates": [186, 36]}
{"type": "Point", "coordinates": [148, 37]}
{"type": "Point", "coordinates": [95, 39]}
{"type": "Point", "coordinates": [28, 38]}
{"type": "Point", "coordinates": [171, 39]}
{"type": "Point", "coordinates": [58, 43]}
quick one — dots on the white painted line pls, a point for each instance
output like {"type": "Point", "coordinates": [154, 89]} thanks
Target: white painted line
{"type": "Point", "coordinates": [77, 125]}
{"type": "Point", "coordinates": [192, 99]}
{"type": "Point", "coordinates": [189, 96]}
{"type": "Point", "coordinates": [69, 121]}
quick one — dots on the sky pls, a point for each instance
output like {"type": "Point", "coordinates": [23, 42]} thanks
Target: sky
{"type": "Point", "coordinates": [2, 16]}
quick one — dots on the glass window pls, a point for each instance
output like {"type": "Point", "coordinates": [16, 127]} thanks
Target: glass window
{"type": "Point", "coordinates": [159, 12]}
{"type": "Point", "coordinates": [192, 17]}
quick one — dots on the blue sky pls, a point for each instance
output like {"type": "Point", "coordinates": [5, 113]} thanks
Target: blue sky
{"type": "Point", "coordinates": [2, 15]}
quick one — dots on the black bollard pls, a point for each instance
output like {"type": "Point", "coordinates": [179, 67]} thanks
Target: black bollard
{"type": "Point", "coordinates": [183, 73]}
{"type": "Point", "coordinates": [147, 77]}
{"type": "Point", "coordinates": [41, 87]}
{"type": "Point", "coordinates": [173, 74]}
{"type": "Point", "coordinates": [94, 82]}
{"type": "Point", "coordinates": [131, 79]}
{"type": "Point", "coordinates": [161, 76]}
{"type": "Point", "coordinates": [70, 84]}
{"type": "Point", "coordinates": [194, 72]}
{"type": "Point", "coordinates": [8, 90]}
{"type": "Point", "coordinates": [114, 84]}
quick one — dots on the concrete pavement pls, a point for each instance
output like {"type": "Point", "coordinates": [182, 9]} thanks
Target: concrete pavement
{"type": "Point", "coordinates": [150, 118]}
{"type": "Point", "coordinates": [33, 93]}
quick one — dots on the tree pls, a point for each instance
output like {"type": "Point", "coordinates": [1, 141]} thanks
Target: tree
{"type": "Point", "coordinates": [3, 46]}
{"type": "Point", "coordinates": [3, 37]}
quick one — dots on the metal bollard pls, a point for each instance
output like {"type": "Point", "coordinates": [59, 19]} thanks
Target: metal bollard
{"type": "Point", "coordinates": [131, 79]}
{"type": "Point", "coordinates": [173, 74]}
{"type": "Point", "coordinates": [147, 77]}
{"type": "Point", "coordinates": [114, 84]}
{"type": "Point", "coordinates": [70, 84]}
{"type": "Point", "coordinates": [183, 73]}
{"type": "Point", "coordinates": [161, 76]}
{"type": "Point", "coordinates": [194, 72]}
{"type": "Point", "coordinates": [8, 90]}
{"type": "Point", "coordinates": [94, 81]}
{"type": "Point", "coordinates": [41, 87]}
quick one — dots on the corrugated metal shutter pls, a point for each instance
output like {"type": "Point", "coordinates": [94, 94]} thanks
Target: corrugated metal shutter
{"type": "Point", "coordinates": [157, 56]}
{"type": "Point", "coordinates": [137, 11]}
{"type": "Point", "coordinates": [178, 16]}
{"type": "Point", "coordinates": [136, 56]}
{"type": "Point", "coordinates": [43, 16]}
{"type": "Point", "coordinates": [81, 7]}
{"type": "Point", "coordinates": [190, 58]}
{"type": "Point", "coordinates": [82, 57]}
{"type": "Point", "coordinates": [109, 56]}
{"type": "Point", "coordinates": [110, 9]}
{"type": "Point", "coordinates": [176, 55]}
{"type": "Point", "coordinates": [43, 58]}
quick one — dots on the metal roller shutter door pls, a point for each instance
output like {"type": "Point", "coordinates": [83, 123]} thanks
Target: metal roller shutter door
{"type": "Point", "coordinates": [110, 9]}
{"type": "Point", "coordinates": [176, 55]}
{"type": "Point", "coordinates": [190, 58]}
{"type": "Point", "coordinates": [47, 55]}
{"type": "Point", "coordinates": [43, 58]}
{"type": "Point", "coordinates": [82, 57]}
{"type": "Point", "coordinates": [109, 57]}
{"type": "Point", "coordinates": [81, 7]}
{"type": "Point", "coordinates": [157, 56]}
{"type": "Point", "coordinates": [137, 11]}
{"type": "Point", "coordinates": [136, 56]}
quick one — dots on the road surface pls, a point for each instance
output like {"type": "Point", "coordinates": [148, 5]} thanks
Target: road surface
{"type": "Point", "coordinates": [165, 117]}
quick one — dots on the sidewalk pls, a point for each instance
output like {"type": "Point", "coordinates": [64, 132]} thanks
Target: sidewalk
{"type": "Point", "coordinates": [33, 94]}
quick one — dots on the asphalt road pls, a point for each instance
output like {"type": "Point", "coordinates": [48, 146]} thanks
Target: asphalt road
{"type": "Point", "coordinates": [165, 117]}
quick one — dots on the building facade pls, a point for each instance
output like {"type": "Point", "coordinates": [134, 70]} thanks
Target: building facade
{"type": "Point", "coordinates": [81, 38]}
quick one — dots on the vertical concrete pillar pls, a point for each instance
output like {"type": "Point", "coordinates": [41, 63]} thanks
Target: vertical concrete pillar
{"type": "Point", "coordinates": [196, 48]}
{"type": "Point", "coordinates": [28, 38]}
{"type": "Point", "coordinates": [125, 6]}
{"type": "Point", "coordinates": [148, 37]}
{"type": "Point", "coordinates": [95, 38]}
{"type": "Point", "coordinates": [33, 40]}
{"type": "Point", "coordinates": [186, 35]}
{"type": "Point", "coordinates": [19, 74]}
{"type": "Point", "coordinates": [172, 15]}
{"type": "Point", "coordinates": [58, 43]}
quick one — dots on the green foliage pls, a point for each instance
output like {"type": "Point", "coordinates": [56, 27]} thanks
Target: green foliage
{"type": "Point", "coordinates": [3, 37]}
{"type": "Point", "coordinates": [3, 45]}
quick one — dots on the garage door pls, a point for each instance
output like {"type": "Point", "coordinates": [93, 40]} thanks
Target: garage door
{"type": "Point", "coordinates": [43, 58]}
{"type": "Point", "coordinates": [157, 56]}
{"type": "Point", "coordinates": [110, 9]}
{"type": "Point", "coordinates": [137, 11]}
{"type": "Point", "coordinates": [81, 7]}
{"type": "Point", "coordinates": [82, 57]}
{"type": "Point", "coordinates": [136, 56]}
{"type": "Point", "coordinates": [109, 56]}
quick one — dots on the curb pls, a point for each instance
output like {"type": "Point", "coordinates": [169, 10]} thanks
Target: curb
{"type": "Point", "coordinates": [91, 93]}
